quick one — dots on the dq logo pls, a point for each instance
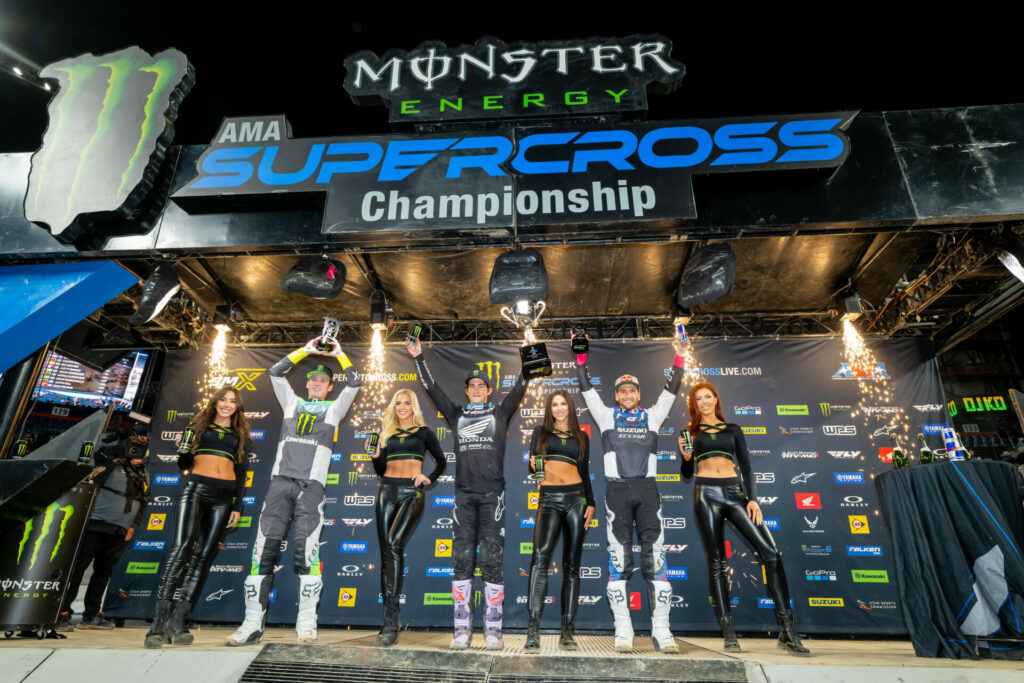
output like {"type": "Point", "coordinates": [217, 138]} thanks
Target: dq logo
{"type": "Point", "coordinates": [156, 521]}
{"type": "Point", "coordinates": [859, 524]}
{"type": "Point", "coordinates": [243, 378]}
{"type": "Point", "coordinates": [490, 369]}
{"type": "Point", "coordinates": [44, 531]}
{"type": "Point", "coordinates": [346, 597]}
{"type": "Point", "coordinates": [110, 124]}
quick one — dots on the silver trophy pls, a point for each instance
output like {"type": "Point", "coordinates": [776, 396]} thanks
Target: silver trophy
{"type": "Point", "coordinates": [330, 333]}
{"type": "Point", "coordinates": [525, 314]}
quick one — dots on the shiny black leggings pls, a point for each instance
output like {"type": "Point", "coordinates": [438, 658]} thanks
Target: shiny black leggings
{"type": "Point", "coordinates": [560, 512]}
{"type": "Point", "coordinates": [398, 508]}
{"type": "Point", "coordinates": [204, 507]}
{"type": "Point", "coordinates": [712, 505]}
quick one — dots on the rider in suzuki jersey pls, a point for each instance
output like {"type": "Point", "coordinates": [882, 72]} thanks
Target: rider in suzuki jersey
{"type": "Point", "coordinates": [296, 491]}
{"type": "Point", "coordinates": [629, 435]}
{"type": "Point", "coordinates": [479, 431]}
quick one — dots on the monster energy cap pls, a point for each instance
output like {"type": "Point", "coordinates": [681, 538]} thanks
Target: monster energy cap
{"type": "Point", "coordinates": [320, 369]}
{"type": "Point", "coordinates": [627, 379]}
{"type": "Point", "coordinates": [476, 374]}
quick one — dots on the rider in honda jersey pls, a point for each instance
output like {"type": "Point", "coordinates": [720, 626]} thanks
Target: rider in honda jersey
{"type": "Point", "coordinates": [479, 432]}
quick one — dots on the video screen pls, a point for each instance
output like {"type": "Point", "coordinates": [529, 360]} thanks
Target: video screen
{"type": "Point", "coordinates": [65, 382]}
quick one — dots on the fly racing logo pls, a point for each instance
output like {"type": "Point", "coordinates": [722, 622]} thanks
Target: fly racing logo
{"type": "Point", "coordinates": [253, 415]}
{"type": "Point", "coordinates": [590, 599]}
{"type": "Point", "coordinates": [356, 521]}
{"type": "Point", "coordinates": [845, 455]}
{"type": "Point", "coordinates": [110, 125]}
{"type": "Point", "coordinates": [491, 370]}
{"type": "Point", "coordinates": [67, 511]}
{"type": "Point", "coordinates": [766, 500]}
{"type": "Point", "coordinates": [928, 407]}
{"type": "Point", "coordinates": [304, 423]}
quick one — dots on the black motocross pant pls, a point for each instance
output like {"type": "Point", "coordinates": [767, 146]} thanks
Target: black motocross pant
{"type": "Point", "coordinates": [628, 504]}
{"type": "Point", "coordinates": [560, 512]}
{"type": "Point", "coordinates": [102, 547]}
{"type": "Point", "coordinates": [204, 507]}
{"type": "Point", "coordinates": [398, 508]}
{"type": "Point", "coordinates": [479, 519]}
{"type": "Point", "coordinates": [712, 505]}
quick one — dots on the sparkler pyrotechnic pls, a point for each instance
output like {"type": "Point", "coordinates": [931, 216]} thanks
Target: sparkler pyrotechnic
{"type": "Point", "coordinates": [880, 416]}
{"type": "Point", "coordinates": [216, 368]}
{"type": "Point", "coordinates": [376, 384]}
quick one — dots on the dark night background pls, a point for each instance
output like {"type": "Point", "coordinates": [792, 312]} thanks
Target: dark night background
{"type": "Point", "coordinates": [252, 59]}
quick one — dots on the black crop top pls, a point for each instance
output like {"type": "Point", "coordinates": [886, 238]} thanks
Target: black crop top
{"type": "Point", "coordinates": [727, 443]}
{"type": "Point", "coordinates": [222, 442]}
{"type": "Point", "coordinates": [563, 447]}
{"type": "Point", "coordinates": [407, 444]}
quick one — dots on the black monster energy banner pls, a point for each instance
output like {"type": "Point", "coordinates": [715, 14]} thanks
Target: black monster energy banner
{"type": "Point", "coordinates": [36, 559]}
{"type": "Point", "coordinates": [794, 398]}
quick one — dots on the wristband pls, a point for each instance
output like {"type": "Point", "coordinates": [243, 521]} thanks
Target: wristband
{"type": "Point", "coordinates": [296, 356]}
{"type": "Point", "coordinates": [344, 362]}
{"type": "Point", "coordinates": [680, 362]}
{"type": "Point", "coordinates": [581, 359]}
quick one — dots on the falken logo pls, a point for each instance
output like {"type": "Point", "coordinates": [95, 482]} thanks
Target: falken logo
{"type": "Point", "coordinates": [440, 571]}
{"type": "Point", "coordinates": [839, 430]}
{"type": "Point", "coordinates": [864, 550]}
{"type": "Point", "coordinates": [860, 372]}
{"type": "Point", "coordinates": [67, 512]}
{"type": "Point", "coordinates": [845, 455]}
{"type": "Point", "coordinates": [110, 125]}
{"type": "Point", "coordinates": [149, 545]}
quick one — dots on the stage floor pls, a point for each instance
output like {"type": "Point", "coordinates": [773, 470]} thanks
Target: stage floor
{"type": "Point", "coordinates": [117, 656]}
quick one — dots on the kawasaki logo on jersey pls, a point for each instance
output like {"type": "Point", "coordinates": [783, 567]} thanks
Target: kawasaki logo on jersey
{"type": "Point", "coordinates": [44, 530]}
{"type": "Point", "coordinates": [110, 125]}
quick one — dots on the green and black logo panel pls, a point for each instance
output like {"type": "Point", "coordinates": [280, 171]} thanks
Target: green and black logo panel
{"type": "Point", "coordinates": [110, 123]}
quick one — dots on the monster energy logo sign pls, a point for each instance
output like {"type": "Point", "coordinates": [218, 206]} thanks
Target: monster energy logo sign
{"type": "Point", "coordinates": [109, 126]}
{"type": "Point", "coordinates": [492, 369]}
{"type": "Point", "coordinates": [304, 423]}
{"type": "Point", "coordinates": [44, 531]}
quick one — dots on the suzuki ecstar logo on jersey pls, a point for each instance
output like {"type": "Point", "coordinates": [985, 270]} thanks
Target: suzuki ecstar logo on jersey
{"type": "Point", "coordinates": [808, 501]}
{"type": "Point", "coordinates": [859, 524]}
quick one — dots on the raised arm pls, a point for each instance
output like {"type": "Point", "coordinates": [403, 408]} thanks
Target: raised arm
{"type": "Point", "coordinates": [660, 410]}
{"type": "Point", "coordinates": [444, 404]}
{"type": "Point", "coordinates": [339, 408]}
{"type": "Point", "coordinates": [509, 404]}
{"type": "Point", "coordinates": [602, 414]}
{"type": "Point", "coordinates": [278, 371]}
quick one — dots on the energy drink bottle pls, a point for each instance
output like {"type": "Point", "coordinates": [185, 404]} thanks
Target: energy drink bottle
{"type": "Point", "coordinates": [414, 333]}
{"type": "Point", "coordinates": [953, 451]}
{"type": "Point", "coordinates": [684, 433]}
{"type": "Point", "coordinates": [186, 440]}
{"type": "Point", "coordinates": [85, 455]}
{"type": "Point", "coordinates": [538, 468]}
{"type": "Point", "coordinates": [681, 334]}
{"type": "Point", "coordinates": [374, 437]}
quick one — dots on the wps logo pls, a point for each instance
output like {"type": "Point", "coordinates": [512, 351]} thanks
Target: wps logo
{"type": "Point", "coordinates": [109, 126]}
{"type": "Point", "coordinates": [242, 378]}
{"type": "Point", "coordinates": [359, 501]}
{"type": "Point", "coordinates": [839, 430]}
{"type": "Point", "coordinates": [491, 370]}
{"type": "Point", "coordinates": [442, 547]}
{"type": "Point", "coordinates": [49, 516]}
{"type": "Point", "coordinates": [156, 521]}
{"type": "Point", "coordinates": [764, 477]}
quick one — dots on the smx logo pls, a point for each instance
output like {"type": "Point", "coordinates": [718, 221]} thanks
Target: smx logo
{"type": "Point", "coordinates": [66, 511]}
{"type": "Point", "coordinates": [109, 126]}
{"type": "Point", "coordinates": [491, 370]}
{"type": "Point", "coordinates": [243, 378]}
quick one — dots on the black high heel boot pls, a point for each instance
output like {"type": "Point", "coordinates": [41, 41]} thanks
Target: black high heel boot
{"type": "Point", "coordinates": [729, 634]}
{"type": "Point", "coordinates": [788, 638]}
{"type": "Point", "coordinates": [389, 631]}
{"type": "Point", "coordinates": [157, 635]}
{"type": "Point", "coordinates": [176, 629]}
{"type": "Point", "coordinates": [567, 641]}
{"type": "Point", "coordinates": [532, 645]}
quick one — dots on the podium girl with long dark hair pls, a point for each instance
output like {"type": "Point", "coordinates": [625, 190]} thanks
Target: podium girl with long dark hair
{"type": "Point", "coordinates": [214, 464]}
{"type": "Point", "coordinates": [565, 509]}
{"type": "Point", "coordinates": [404, 441]}
{"type": "Point", "coordinates": [718, 448]}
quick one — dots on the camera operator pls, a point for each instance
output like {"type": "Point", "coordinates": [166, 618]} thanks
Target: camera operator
{"type": "Point", "coordinates": [123, 484]}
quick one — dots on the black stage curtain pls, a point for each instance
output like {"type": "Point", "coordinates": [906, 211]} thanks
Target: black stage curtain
{"type": "Point", "coordinates": [958, 530]}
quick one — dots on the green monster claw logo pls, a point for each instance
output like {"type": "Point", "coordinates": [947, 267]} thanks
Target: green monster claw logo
{"type": "Point", "coordinates": [111, 122]}
{"type": "Point", "coordinates": [493, 370]}
{"type": "Point", "coordinates": [304, 423]}
{"type": "Point", "coordinates": [51, 511]}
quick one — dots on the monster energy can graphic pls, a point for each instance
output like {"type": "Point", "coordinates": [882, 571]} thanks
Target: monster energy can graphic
{"type": "Point", "coordinates": [110, 124]}
{"type": "Point", "coordinates": [36, 559]}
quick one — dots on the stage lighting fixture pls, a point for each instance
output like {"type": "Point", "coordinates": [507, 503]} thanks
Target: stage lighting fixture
{"type": "Point", "coordinates": [318, 277]}
{"type": "Point", "coordinates": [222, 318]}
{"type": "Point", "coordinates": [378, 311]}
{"type": "Point", "coordinates": [708, 276]}
{"type": "Point", "coordinates": [160, 286]}
{"type": "Point", "coordinates": [1012, 256]}
{"type": "Point", "coordinates": [849, 306]}
{"type": "Point", "coordinates": [518, 276]}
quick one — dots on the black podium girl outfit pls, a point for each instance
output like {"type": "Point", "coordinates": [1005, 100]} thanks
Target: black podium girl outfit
{"type": "Point", "coordinates": [561, 512]}
{"type": "Point", "coordinates": [398, 508]}
{"type": "Point", "coordinates": [718, 499]}
{"type": "Point", "coordinates": [204, 507]}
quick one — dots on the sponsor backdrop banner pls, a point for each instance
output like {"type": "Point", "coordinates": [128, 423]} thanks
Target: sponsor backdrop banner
{"type": "Point", "coordinates": [794, 398]}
